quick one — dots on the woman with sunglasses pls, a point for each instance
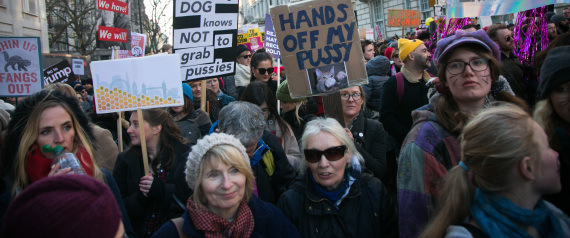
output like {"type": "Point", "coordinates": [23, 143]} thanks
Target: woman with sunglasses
{"type": "Point", "coordinates": [262, 69]}
{"type": "Point", "coordinates": [469, 81]}
{"type": "Point", "coordinates": [333, 189]}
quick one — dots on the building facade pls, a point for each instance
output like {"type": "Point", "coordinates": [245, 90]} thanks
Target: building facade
{"type": "Point", "coordinates": [24, 18]}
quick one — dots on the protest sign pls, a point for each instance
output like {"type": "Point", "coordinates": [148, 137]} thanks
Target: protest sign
{"type": "Point", "coordinates": [270, 45]}
{"type": "Point", "coordinates": [113, 25]}
{"type": "Point", "coordinates": [378, 32]}
{"type": "Point", "coordinates": [366, 33]}
{"type": "Point", "coordinates": [78, 66]}
{"type": "Point", "coordinates": [59, 73]}
{"type": "Point", "coordinates": [462, 8]}
{"type": "Point", "coordinates": [319, 46]}
{"type": "Point", "coordinates": [20, 66]}
{"type": "Point", "coordinates": [204, 35]}
{"type": "Point", "coordinates": [137, 83]}
{"type": "Point", "coordinates": [403, 18]}
{"type": "Point", "coordinates": [137, 46]}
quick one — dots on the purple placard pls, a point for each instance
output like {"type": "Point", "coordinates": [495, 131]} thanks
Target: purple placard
{"type": "Point", "coordinates": [270, 42]}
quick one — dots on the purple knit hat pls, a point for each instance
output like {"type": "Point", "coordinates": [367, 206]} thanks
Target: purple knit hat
{"type": "Point", "coordinates": [63, 206]}
{"type": "Point", "coordinates": [480, 37]}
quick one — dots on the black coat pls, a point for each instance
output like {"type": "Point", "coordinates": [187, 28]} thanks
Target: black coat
{"type": "Point", "coordinates": [378, 69]}
{"type": "Point", "coordinates": [128, 173]}
{"type": "Point", "coordinates": [371, 136]}
{"type": "Point", "coordinates": [367, 210]}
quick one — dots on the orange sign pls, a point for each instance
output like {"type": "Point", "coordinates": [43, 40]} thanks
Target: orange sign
{"type": "Point", "coordinates": [403, 18]}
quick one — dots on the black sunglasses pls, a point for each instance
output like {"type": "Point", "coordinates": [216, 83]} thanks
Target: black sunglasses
{"type": "Point", "coordinates": [263, 71]}
{"type": "Point", "coordinates": [332, 154]}
{"type": "Point", "coordinates": [246, 56]}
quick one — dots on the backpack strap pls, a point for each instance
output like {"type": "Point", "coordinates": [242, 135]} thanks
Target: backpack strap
{"type": "Point", "coordinates": [400, 85]}
{"type": "Point", "coordinates": [178, 223]}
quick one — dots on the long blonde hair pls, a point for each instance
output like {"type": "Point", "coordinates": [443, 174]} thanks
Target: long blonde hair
{"type": "Point", "coordinates": [492, 144]}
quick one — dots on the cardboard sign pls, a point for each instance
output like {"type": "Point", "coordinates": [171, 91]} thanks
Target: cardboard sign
{"type": "Point", "coordinates": [366, 33]}
{"type": "Point", "coordinates": [113, 25]}
{"type": "Point", "coordinates": [270, 44]}
{"type": "Point", "coordinates": [137, 83]}
{"type": "Point", "coordinates": [113, 5]}
{"type": "Point", "coordinates": [319, 46]}
{"type": "Point", "coordinates": [78, 66]}
{"type": "Point", "coordinates": [137, 46]}
{"type": "Point", "coordinates": [59, 73]}
{"type": "Point", "coordinates": [403, 18]}
{"type": "Point", "coordinates": [378, 32]}
{"type": "Point", "coordinates": [20, 66]}
{"type": "Point", "coordinates": [205, 33]}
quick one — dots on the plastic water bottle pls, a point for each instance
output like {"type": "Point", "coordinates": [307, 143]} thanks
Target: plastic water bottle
{"type": "Point", "coordinates": [65, 160]}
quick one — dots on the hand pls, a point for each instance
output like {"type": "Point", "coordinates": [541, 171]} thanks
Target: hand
{"type": "Point", "coordinates": [349, 133]}
{"type": "Point", "coordinates": [145, 184]}
{"type": "Point", "coordinates": [54, 172]}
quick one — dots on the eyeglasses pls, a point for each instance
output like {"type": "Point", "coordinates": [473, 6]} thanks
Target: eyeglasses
{"type": "Point", "coordinates": [263, 71]}
{"type": "Point", "coordinates": [332, 154]}
{"type": "Point", "coordinates": [346, 96]}
{"type": "Point", "coordinates": [246, 56]}
{"type": "Point", "coordinates": [508, 38]}
{"type": "Point", "coordinates": [476, 65]}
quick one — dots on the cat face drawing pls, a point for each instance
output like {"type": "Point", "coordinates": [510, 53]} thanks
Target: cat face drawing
{"type": "Point", "coordinates": [15, 60]}
{"type": "Point", "coordinates": [327, 81]}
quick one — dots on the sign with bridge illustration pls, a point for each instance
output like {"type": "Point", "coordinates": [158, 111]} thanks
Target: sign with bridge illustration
{"type": "Point", "coordinates": [137, 83]}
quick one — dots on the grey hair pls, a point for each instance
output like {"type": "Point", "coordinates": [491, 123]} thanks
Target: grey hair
{"type": "Point", "coordinates": [243, 120]}
{"type": "Point", "coordinates": [333, 127]}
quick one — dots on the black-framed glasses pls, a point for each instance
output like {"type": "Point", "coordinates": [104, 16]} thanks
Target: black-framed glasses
{"type": "Point", "coordinates": [246, 56]}
{"type": "Point", "coordinates": [346, 96]}
{"type": "Point", "coordinates": [332, 154]}
{"type": "Point", "coordinates": [458, 67]}
{"type": "Point", "coordinates": [263, 71]}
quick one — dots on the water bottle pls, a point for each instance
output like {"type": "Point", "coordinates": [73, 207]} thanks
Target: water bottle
{"type": "Point", "coordinates": [65, 160]}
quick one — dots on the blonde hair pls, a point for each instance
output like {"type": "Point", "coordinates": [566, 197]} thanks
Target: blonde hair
{"type": "Point", "coordinates": [548, 119]}
{"type": "Point", "coordinates": [30, 135]}
{"type": "Point", "coordinates": [228, 155]}
{"type": "Point", "coordinates": [492, 145]}
{"type": "Point", "coordinates": [64, 88]}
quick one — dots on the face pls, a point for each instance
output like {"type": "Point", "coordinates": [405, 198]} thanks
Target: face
{"type": "Point", "coordinates": [244, 58]}
{"type": "Point", "coordinates": [369, 52]}
{"type": "Point", "coordinates": [213, 84]}
{"type": "Point", "coordinates": [351, 107]}
{"type": "Point", "coordinates": [422, 56]}
{"type": "Point", "coordinates": [177, 109]}
{"type": "Point", "coordinates": [265, 110]}
{"type": "Point", "coordinates": [328, 174]}
{"type": "Point", "coordinates": [548, 181]}
{"type": "Point", "coordinates": [505, 40]}
{"type": "Point", "coordinates": [224, 188]}
{"type": "Point", "coordinates": [134, 131]}
{"type": "Point", "coordinates": [55, 128]}
{"type": "Point", "coordinates": [107, 17]}
{"type": "Point", "coordinates": [470, 85]}
{"type": "Point", "coordinates": [560, 98]}
{"type": "Point", "coordinates": [397, 61]}
{"type": "Point", "coordinates": [250, 150]}
{"type": "Point", "coordinates": [262, 65]}
{"type": "Point", "coordinates": [88, 86]}
{"type": "Point", "coordinates": [287, 106]}
{"type": "Point", "coordinates": [196, 89]}
{"type": "Point", "coordinates": [566, 13]}
{"type": "Point", "coordinates": [552, 33]}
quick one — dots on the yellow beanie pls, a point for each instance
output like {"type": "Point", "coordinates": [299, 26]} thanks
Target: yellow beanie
{"type": "Point", "coordinates": [407, 46]}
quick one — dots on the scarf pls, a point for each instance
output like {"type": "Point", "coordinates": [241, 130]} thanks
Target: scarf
{"type": "Point", "coordinates": [38, 166]}
{"type": "Point", "coordinates": [243, 73]}
{"type": "Point", "coordinates": [263, 153]}
{"type": "Point", "coordinates": [412, 79]}
{"type": "Point", "coordinates": [498, 216]}
{"type": "Point", "coordinates": [213, 225]}
{"type": "Point", "coordinates": [336, 196]}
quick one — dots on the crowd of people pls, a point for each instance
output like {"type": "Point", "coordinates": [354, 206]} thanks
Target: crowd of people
{"type": "Point", "coordinates": [450, 137]}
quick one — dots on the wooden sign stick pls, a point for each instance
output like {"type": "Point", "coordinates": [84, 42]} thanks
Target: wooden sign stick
{"type": "Point", "coordinates": [203, 96]}
{"type": "Point", "coordinates": [278, 80]}
{"type": "Point", "coordinates": [143, 141]}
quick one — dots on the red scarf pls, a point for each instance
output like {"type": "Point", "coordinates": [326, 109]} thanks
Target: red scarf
{"type": "Point", "coordinates": [214, 226]}
{"type": "Point", "coordinates": [38, 166]}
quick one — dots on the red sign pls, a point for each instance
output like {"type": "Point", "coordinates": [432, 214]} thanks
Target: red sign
{"type": "Point", "coordinates": [113, 5]}
{"type": "Point", "coordinates": [113, 34]}
{"type": "Point", "coordinates": [403, 18]}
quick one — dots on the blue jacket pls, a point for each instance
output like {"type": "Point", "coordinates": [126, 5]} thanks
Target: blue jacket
{"type": "Point", "coordinates": [378, 69]}
{"type": "Point", "coordinates": [269, 222]}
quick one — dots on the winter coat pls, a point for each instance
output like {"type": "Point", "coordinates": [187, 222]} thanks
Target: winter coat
{"type": "Point", "coordinates": [128, 173]}
{"type": "Point", "coordinates": [105, 151]}
{"type": "Point", "coordinates": [370, 135]}
{"type": "Point", "coordinates": [189, 127]}
{"type": "Point", "coordinates": [306, 113]}
{"type": "Point", "coordinates": [428, 152]}
{"type": "Point", "coordinates": [268, 222]}
{"type": "Point", "coordinates": [289, 142]}
{"type": "Point", "coordinates": [378, 69]}
{"type": "Point", "coordinates": [367, 210]}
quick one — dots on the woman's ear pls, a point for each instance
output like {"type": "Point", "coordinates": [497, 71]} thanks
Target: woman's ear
{"type": "Point", "coordinates": [527, 168]}
{"type": "Point", "coordinates": [156, 130]}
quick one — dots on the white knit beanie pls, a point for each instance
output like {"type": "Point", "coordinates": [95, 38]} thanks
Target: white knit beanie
{"type": "Point", "coordinates": [204, 145]}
